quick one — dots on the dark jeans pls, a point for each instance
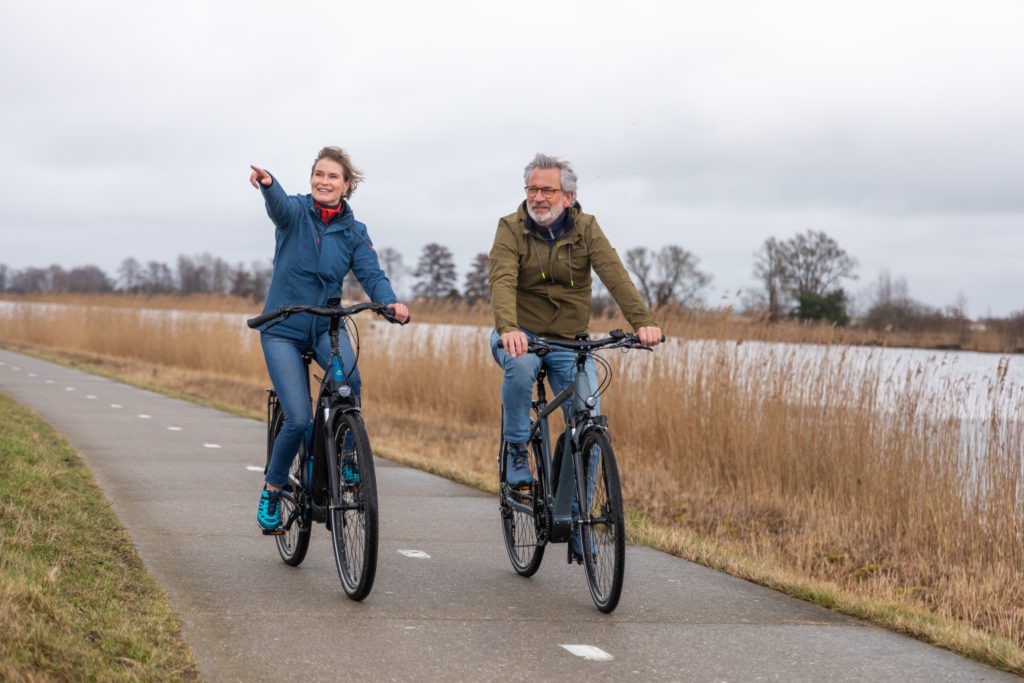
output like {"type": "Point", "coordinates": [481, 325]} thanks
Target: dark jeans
{"type": "Point", "coordinates": [288, 375]}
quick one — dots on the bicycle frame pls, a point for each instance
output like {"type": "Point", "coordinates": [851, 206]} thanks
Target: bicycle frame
{"type": "Point", "coordinates": [582, 417]}
{"type": "Point", "coordinates": [335, 396]}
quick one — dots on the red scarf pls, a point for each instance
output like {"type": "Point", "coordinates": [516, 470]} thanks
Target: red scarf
{"type": "Point", "coordinates": [326, 214]}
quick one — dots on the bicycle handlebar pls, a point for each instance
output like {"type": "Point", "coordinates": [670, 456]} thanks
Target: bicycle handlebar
{"type": "Point", "coordinates": [615, 339]}
{"type": "Point", "coordinates": [284, 312]}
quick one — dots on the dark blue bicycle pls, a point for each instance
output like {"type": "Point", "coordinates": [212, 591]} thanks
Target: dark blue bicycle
{"type": "Point", "coordinates": [582, 468]}
{"type": "Point", "coordinates": [331, 479]}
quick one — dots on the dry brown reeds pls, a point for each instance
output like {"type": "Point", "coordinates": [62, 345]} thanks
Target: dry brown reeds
{"type": "Point", "coordinates": [823, 465]}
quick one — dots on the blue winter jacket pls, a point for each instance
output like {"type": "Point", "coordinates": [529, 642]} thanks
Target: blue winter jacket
{"type": "Point", "coordinates": [311, 261]}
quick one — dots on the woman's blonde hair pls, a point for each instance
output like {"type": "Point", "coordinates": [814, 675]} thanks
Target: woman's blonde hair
{"type": "Point", "coordinates": [352, 174]}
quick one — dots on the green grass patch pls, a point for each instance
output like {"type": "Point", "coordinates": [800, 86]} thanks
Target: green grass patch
{"type": "Point", "coordinates": [76, 602]}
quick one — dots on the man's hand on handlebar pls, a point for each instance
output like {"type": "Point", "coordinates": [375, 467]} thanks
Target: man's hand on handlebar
{"type": "Point", "coordinates": [514, 343]}
{"type": "Point", "coordinates": [650, 336]}
{"type": "Point", "coordinates": [401, 312]}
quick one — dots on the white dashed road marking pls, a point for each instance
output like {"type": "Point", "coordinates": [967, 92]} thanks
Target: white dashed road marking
{"type": "Point", "coordinates": [172, 428]}
{"type": "Point", "coordinates": [69, 388]}
{"type": "Point", "coordinates": [115, 405]}
{"type": "Point", "coordinates": [211, 445]}
{"type": "Point", "coordinates": [144, 416]}
{"type": "Point", "coordinates": [589, 652]}
{"type": "Point", "coordinates": [91, 397]}
{"type": "Point", "coordinates": [50, 381]}
{"type": "Point", "coordinates": [416, 554]}
{"type": "Point", "coordinates": [31, 374]}
{"type": "Point", "coordinates": [253, 468]}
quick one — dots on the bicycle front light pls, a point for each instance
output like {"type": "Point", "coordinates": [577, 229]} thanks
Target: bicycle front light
{"type": "Point", "coordinates": [344, 391]}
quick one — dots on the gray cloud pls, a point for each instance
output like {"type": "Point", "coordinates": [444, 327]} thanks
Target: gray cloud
{"type": "Point", "coordinates": [128, 127]}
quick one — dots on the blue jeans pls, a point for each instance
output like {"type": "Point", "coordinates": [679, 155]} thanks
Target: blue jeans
{"type": "Point", "coordinates": [288, 375]}
{"type": "Point", "coordinates": [517, 394]}
{"type": "Point", "coordinates": [520, 375]}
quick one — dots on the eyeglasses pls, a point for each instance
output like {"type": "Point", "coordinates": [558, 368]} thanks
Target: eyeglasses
{"type": "Point", "coordinates": [546, 192]}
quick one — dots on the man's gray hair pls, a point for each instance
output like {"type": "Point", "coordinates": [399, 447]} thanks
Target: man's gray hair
{"type": "Point", "coordinates": [568, 176]}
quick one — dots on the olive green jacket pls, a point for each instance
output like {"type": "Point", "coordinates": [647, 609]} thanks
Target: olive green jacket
{"type": "Point", "coordinates": [546, 289]}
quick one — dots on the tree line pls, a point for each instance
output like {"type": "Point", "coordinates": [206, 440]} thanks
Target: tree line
{"type": "Point", "coordinates": [800, 277]}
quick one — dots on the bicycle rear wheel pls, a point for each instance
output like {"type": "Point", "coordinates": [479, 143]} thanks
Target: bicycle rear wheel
{"type": "Point", "coordinates": [294, 542]}
{"type": "Point", "coordinates": [522, 518]}
{"type": "Point", "coordinates": [353, 512]}
{"type": "Point", "coordinates": [604, 536]}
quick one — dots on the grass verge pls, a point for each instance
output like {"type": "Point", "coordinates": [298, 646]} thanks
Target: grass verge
{"type": "Point", "coordinates": [76, 602]}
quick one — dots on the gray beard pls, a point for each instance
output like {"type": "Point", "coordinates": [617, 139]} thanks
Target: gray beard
{"type": "Point", "coordinates": [556, 211]}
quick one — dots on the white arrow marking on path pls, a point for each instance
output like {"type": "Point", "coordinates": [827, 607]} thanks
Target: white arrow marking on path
{"type": "Point", "coordinates": [416, 554]}
{"type": "Point", "coordinates": [211, 445]}
{"type": "Point", "coordinates": [589, 652]}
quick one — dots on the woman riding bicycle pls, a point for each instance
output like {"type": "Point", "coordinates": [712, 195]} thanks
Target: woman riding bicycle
{"type": "Point", "coordinates": [318, 242]}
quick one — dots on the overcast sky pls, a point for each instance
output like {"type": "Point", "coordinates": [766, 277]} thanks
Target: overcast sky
{"type": "Point", "coordinates": [127, 128]}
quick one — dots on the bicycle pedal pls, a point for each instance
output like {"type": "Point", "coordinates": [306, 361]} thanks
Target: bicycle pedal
{"type": "Point", "coordinates": [272, 532]}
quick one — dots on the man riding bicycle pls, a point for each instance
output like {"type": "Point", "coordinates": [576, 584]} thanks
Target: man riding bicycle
{"type": "Point", "coordinates": [540, 280]}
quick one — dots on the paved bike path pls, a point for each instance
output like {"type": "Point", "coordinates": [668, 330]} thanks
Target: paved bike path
{"type": "Point", "coordinates": [446, 604]}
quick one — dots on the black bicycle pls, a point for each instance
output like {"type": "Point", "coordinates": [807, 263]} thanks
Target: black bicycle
{"type": "Point", "coordinates": [545, 512]}
{"type": "Point", "coordinates": [331, 479]}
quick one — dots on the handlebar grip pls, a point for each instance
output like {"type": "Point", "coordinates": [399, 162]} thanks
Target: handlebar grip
{"type": "Point", "coordinates": [262, 319]}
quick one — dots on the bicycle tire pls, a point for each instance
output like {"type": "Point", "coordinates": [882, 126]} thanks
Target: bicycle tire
{"type": "Point", "coordinates": [522, 531]}
{"type": "Point", "coordinates": [604, 538]}
{"type": "Point", "coordinates": [353, 510]}
{"type": "Point", "coordinates": [294, 542]}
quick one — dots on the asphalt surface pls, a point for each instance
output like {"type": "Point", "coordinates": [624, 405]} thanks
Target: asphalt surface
{"type": "Point", "coordinates": [185, 481]}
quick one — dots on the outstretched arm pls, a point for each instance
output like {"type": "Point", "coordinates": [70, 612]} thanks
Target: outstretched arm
{"type": "Point", "coordinates": [280, 207]}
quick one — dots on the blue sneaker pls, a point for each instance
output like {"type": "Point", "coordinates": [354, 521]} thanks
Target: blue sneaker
{"type": "Point", "coordinates": [268, 514]}
{"type": "Point", "coordinates": [517, 466]}
{"type": "Point", "coordinates": [349, 468]}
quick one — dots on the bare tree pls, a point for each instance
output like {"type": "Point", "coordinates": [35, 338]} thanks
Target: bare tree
{"type": "Point", "coordinates": [129, 274]}
{"type": "Point", "coordinates": [668, 276]}
{"type": "Point", "coordinates": [814, 263]}
{"type": "Point", "coordinates": [157, 278]}
{"type": "Point", "coordinates": [770, 270]}
{"type": "Point", "coordinates": [477, 287]}
{"type": "Point", "coordinates": [436, 273]}
{"type": "Point", "coordinates": [220, 275]}
{"type": "Point", "coordinates": [87, 279]}
{"type": "Point", "coordinates": [640, 262]}
{"type": "Point", "coordinates": [241, 282]}
{"type": "Point", "coordinates": [5, 277]}
{"type": "Point", "coordinates": [393, 266]}
{"type": "Point", "coordinates": [262, 272]}
{"type": "Point", "coordinates": [30, 280]}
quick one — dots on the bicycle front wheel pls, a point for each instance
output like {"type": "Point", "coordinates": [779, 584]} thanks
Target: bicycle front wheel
{"type": "Point", "coordinates": [353, 511]}
{"type": "Point", "coordinates": [604, 529]}
{"type": "Point", "coordinates": [522, 517]}
{"type": "Point", "coordinates": [293, 543]}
